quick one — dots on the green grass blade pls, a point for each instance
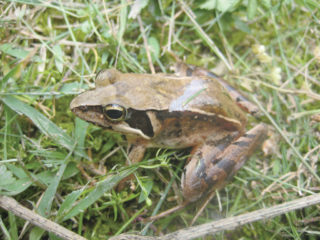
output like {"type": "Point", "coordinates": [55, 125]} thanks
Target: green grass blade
{"type": "Point", "coordinates": [204, 36]}
{"type": "Point", "coordinates": [99, 190]}
{"type": "Point", "coordinates": [46, 126]}
{"type": "Point", "coordinates": [45, 205]}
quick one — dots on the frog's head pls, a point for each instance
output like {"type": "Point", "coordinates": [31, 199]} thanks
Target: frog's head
{"type": "Point", "coordinates": [107, 107]}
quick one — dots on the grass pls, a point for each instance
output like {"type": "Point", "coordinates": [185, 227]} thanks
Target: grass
{"type": "Point", "coordinates": [50, 52]}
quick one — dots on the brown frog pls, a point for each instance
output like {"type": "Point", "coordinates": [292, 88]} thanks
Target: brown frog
{"type": "Point", "coordinates": [195, 109]}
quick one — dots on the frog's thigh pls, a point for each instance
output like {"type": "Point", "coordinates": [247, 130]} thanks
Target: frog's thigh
{"type": "Point", "coordinates": [203, 175]}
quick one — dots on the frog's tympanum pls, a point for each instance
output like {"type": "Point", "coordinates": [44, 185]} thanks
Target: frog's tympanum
{"type": "Point", "coordinates": [193, 109]}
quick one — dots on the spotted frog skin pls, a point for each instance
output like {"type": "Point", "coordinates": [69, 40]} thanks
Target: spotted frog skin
{"type": "Point", "coordinates": [194, 108]}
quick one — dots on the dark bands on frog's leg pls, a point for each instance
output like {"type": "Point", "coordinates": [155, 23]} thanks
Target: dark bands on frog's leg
{"type": "Point", "coordinates": [248, 135]}
{"type": "Point", "coordinates": [220, 145]}
{"type": "Point", "coordinates": [223, 143]}
{"type": "Point", "coordinates": [210, 181]}
{"type": "Point", "coordinates": [241, 143]}
{"type": "Point", "coordinates": [226, 164]}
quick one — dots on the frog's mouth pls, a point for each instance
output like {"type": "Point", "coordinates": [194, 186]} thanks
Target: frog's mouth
{"type": "Point", "coordinates": [92, 114]}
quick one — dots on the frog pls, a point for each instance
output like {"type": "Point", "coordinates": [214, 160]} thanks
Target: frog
{"type": "Point", "coordinates": [193, 108]}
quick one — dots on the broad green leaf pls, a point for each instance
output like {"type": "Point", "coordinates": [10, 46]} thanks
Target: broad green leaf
{"type": "Point", "coordinates": [252, 9]}
{"type": "Point", "coordinates": [312, 4]}
{"type": "Point", "coordinates": [49, 155]}
{"type": "Point", "coordinates": [80, 134]}
{"type": "Point", "coordinates": [16, 187]}
{"type": "Point", "coordinates": [220, 5]}
{"type": "Point", "coordinates": [68, 202]}
{"type": "Point", "coordinates": [44, 208]}
{"type": "Point", "coordinates": [209, 4]}
{"type": "Point", "coordinates": [144, 194]}
{"type": "Point", "coordinates": [86, 27]}
{"type": "Point", "coordinates": [6, 176]}
{"type": "Point", "coordinates": [241, 25]}
{"type": "Point", "coordinates": [73, 87]}
{"type": "Point", "coordinates": [266, 3]}
{"type": "Point", "coordinates": [123, 20]}
{"type": "Point", "coordinates": [9, 49]}
{"type": "Point", "coordinates": [46, 126]}
{"type": "Point", "coordinates": [9, 75]}
{"type": "Point", "coordinates": [13, 221]}
{"type": "Point", "coordinates": [98, 191]}
{"type": "Point", "coordinates": [58, 57]}
{"type": "Point", "coordinates": [23, 181]}
{"type": "Point", "coordinates": [17, 171]}
{"type": "Point", "coordinates": [71, 170]}
{"type": "Point", "coordinates": [17, 183]}
{"type": "Point", "coordinates": [136, 8]}
{"type": "Point", "coordinates": [53, 236]}
{"type": "Point", "coordinates": [45, 177]}
{"type": "Point", "coordinates": [154, 47]}
{"type": "Point", "coordinates": [5, 232]}
{"type": "Point", "coordinates": [36, 233]}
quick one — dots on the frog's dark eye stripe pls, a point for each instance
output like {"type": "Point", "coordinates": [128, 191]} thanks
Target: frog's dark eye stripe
{"type": "Point", "coordinates": [115, 112]}
{"type": "Point", "coordinates": [140, 120]}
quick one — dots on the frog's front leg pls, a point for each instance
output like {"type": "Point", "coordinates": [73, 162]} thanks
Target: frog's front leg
{"type": "Point", "coordinates": [136, 154]}
{"type": "Point", "coordinates": [211, 166]}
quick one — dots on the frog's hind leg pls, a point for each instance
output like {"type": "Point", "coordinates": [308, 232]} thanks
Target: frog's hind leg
{"type": "Point", "coordinates": [207, 171]}
{"type": "Point", "coordinates": [240, 150]}
{"type": "Point", "coordinates": [203, 174]}
{"type": "Point", "coordinates": [183, 69]}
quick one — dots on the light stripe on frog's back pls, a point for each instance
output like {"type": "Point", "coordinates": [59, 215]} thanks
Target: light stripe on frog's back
{"type": "Point", "coordinates": [194, 88]}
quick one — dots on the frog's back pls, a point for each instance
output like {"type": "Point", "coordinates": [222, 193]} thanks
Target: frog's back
{"type": "Point", "coordinates": [198, 95]}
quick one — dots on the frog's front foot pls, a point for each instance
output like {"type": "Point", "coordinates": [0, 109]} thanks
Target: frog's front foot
{"type": "Point", "coordinates": [205, 173]}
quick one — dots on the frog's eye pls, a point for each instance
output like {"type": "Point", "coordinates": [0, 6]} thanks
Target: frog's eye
{"type": "Point", "coordinates": [115, 112]}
